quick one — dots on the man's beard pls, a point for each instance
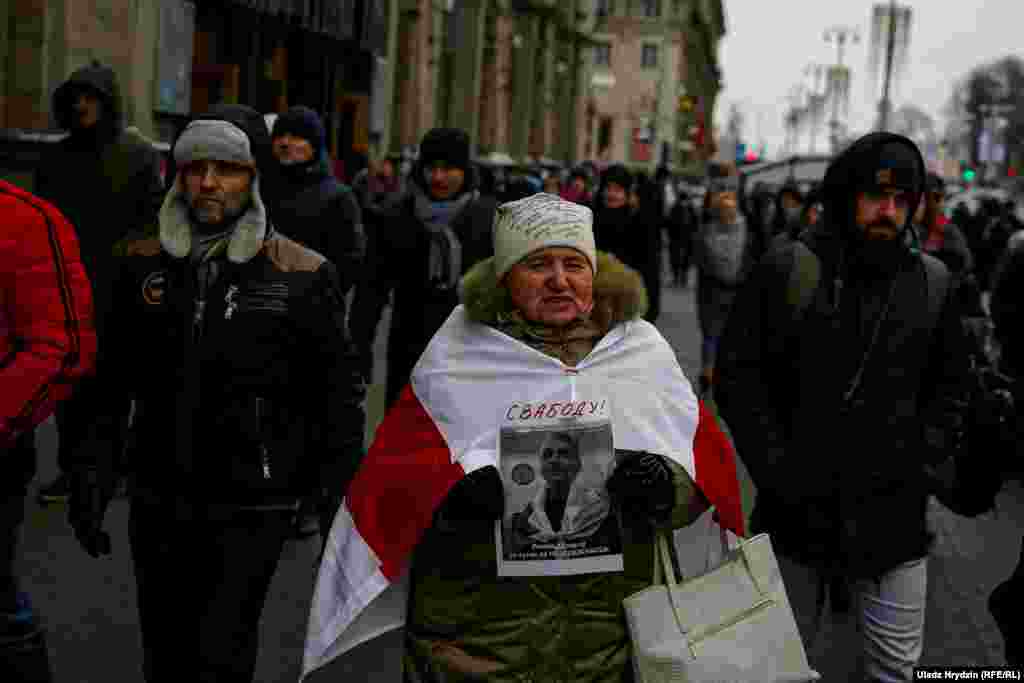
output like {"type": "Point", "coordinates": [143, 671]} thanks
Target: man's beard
{"type": "Point", "coordinates": [877, 253]}
{"type": "Point", "coordinates": [211, 217]}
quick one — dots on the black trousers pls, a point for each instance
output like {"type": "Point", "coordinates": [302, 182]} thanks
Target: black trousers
{"type": "Point", "coordinates": [201, 586]}
{"type": "Point", "coordinates": [22, 644]}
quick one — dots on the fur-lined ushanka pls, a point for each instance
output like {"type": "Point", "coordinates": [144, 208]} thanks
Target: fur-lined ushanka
{"type": "Point", "coordinates": [619, 293]}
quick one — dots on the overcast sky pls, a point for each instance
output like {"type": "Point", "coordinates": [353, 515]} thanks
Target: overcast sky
{"type": "Point", "coordinates": [768, 45]}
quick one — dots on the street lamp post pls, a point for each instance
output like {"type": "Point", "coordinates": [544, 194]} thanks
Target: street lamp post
{"type": "Point", "coordinates": [815, 101]}
{"type": "Point", "coordinates": [840, 85]}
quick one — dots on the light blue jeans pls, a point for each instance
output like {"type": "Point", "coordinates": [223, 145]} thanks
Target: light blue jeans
{"type": "Point", "coordinates": [889, 620]}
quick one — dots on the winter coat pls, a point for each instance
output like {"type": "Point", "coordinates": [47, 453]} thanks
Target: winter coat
{"type": "Point", "coordinates": [317, 211]}
{"type": "Point", "coordinates": [634, 237]}
{"type": "Point", "coordinates": [398, 243]}
{"type": "Point", "coordinates": [948, 244]}
{"type": "Point", "coordinates": [47, 338]}
{"type": "Point", "coordinates": [840, 481]}
{"type": "Point", "coordinates": [715, 295]}
{"type": "Point", "coordinates": [1007, 307]}
{"type": "Point", "coordinates": [254, 400]}
{"type": "Point", "coordinates": [246, 385]}
{"type": "Point", "coordinates": [106, 181]}
{"type": "Point", "coordinates": [463, 618]}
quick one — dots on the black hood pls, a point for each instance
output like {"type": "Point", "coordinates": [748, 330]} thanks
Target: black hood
{"type": "Point", "coordinates": [99, 78]}
{"type": "Point", "coordinates": [846, 174]}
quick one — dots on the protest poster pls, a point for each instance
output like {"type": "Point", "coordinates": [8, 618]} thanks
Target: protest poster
{"type": "Point", "coordinates": [555, 458]}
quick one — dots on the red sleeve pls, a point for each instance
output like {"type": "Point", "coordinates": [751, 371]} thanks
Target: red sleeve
{"type": "Point", "coordinates": [47, 336]}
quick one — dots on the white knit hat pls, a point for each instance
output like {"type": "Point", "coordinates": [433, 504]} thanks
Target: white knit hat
{"type": "Point", "coordinates": [539, 221]}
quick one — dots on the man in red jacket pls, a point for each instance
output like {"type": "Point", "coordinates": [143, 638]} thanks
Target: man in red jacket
{"type": "Point", "coordinates": [47, 342]}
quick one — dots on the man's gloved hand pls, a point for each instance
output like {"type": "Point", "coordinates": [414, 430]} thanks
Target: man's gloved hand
{"type": "Point", "coordinates": [479, 496]}
{"type": "Point", "coordinates": [91, 493]}
{"type": "Point", "coordinates": [642, 485]}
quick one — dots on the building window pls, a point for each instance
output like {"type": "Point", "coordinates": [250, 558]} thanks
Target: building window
{"type": "Point", "coordinates": [603, 55]}
{"type": "Point", "coordinates": [649, 57]}
{"type": "Point", "coordinates": [602, 8]}
{"type": "Point", "coordinates": [650, 8]}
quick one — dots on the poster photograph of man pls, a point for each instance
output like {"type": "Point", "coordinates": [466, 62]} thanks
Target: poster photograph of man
{"type": "Point", "coordinates": [559, 519]}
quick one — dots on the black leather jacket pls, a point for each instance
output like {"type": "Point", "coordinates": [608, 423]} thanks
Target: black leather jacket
{"type": "Point", "coordinates": [251, 398]}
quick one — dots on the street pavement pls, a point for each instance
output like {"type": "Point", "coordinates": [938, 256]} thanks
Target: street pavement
{"type": "Point", "coordinates": [89, 605]}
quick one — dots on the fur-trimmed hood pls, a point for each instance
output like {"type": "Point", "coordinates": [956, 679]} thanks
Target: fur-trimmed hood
{"type": "Point", "coordinates": [619, 293]}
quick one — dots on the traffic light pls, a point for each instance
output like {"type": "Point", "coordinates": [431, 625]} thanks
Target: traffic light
{"type": "Point", "coordinates": [686, 104]}
{"type": "Point", "coordinates": [969, 175]}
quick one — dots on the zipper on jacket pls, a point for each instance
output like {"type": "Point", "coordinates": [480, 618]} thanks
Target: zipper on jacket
{"type": "Point", "coordinates": [758, 607]}
{"type": "Point", "coordinates": [199, 312]}
{"type": "Point", "coordinates": [265, 462]}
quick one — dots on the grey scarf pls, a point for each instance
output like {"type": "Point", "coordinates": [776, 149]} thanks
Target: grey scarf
{"type": "Point", "coordinates": [444, 260]}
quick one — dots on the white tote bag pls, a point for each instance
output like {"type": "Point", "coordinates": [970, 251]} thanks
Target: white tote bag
{"type": "Point", "coordinates": [732, 623]}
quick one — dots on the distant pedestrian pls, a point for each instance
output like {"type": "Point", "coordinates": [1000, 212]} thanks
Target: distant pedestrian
{"type": "Point", "coordinates": [105, 179]}
{"type": "Point", "coordinates": [789, 203]}
{"type": "Point", "coordinates": [575, 189]}
{"type": "Point", "coordinates": [648, 222]}
{"type": "Point", "coordinates": [681, 226]}
{"type": "Point", "coordinates": [48, 342]}
{"type": "Point", "coordinates": [311, 206]}
{"type": "Point", "coordinates": [420, 244]}
{"type": "Point", "coordinates": [232, 341]}
{"type": "Point", "coordinates": [725, 252]}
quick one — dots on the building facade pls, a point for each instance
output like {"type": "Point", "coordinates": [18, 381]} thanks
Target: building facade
{"type": "Point", "coordinates": [556, 80]}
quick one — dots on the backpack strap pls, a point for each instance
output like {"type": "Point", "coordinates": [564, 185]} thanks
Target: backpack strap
{"type": "Point", "coordinates": [938, 287]}
{"type": "Point", "coordinates": [804, 277]}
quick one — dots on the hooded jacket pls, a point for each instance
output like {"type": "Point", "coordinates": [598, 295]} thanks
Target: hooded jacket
{"type": "Point", "coordinates": [398, 244]}
{"type": "Point", "coordinates": [316, 210]}
{"type": "Point", "coordinates": [105, 180]}
{"type": "Point", "coordinates": [247, 390]}
{"type": "Point", "coordinates": [838, 463]}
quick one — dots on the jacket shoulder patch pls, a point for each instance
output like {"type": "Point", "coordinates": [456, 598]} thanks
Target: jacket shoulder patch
{"type": "Point", "coordinates": [289, 256]}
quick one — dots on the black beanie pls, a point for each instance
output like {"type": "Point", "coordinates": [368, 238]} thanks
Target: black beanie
{"type": "Point", "coordinates": [619, 175]}
{"type": "Point", "coordinates": [450, 145]}
{"type": "Point", "coordinates": [892, 164]}
{"type": "Point", "coordinates": [302, 122]}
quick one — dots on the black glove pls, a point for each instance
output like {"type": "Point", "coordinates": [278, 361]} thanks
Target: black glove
{"type": "Point", "coordinates": [642, 485]}
{"type": "Point", "coordinates": [91, 492]}
{"type": "Point", "coordinates": [479, 496]}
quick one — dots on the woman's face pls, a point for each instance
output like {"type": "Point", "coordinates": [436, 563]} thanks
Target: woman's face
{"type": "Point", "coordinates": [552, 286]}
{"type": "Point", "coordinates": [551, 185]}
{"type": "Point", "coordinates": [615, 196]}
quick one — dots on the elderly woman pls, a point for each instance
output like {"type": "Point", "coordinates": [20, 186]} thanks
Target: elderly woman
{"type": "Point", "coordinates": [546, 325]}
